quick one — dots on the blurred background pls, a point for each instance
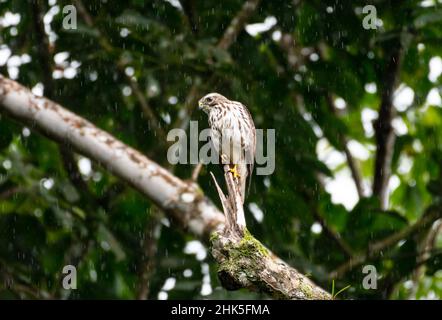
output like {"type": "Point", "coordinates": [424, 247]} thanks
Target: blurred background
{"type": "Point", "coordinates": [353, 92]}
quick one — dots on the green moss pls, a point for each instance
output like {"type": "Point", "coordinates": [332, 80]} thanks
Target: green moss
{"type": "Point", "coordinates": [243, 257]}
{"type": "Point", "coordinates": [243, 262]}
{"type": "Point", "coordinates": [250, 245]}
{"type": "Point", "coordinates": [214, 236]}
{"type": "Point", "coordinates": [307, 290]}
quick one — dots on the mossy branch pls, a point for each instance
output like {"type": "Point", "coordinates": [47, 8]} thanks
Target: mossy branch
{"type": "Point", "coordinates": [243, 259]}
{"type": "Point", "coordinates": [246, 263]}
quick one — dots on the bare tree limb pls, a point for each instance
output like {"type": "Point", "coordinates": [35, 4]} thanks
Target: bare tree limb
{"type": "Point", "coordinates": [232, 205]}
{"type": "Point", "coordinates": [196, 172]}
{"type": "Point", "coordinates": [246, 263]}
{"type": "Point", "coordinates": [223, 199]}
{"type": "Point", "coordinates": [183, 202]}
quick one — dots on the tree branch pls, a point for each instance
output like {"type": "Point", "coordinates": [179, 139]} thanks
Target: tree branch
{"type": "Point", "coordinates": [149, 251]}
{"type": "Point", "coordinates": [196, 172]}
{"type": "Point", "coordinates": [352, 163]}
{"type": "Point", "coordinates": [183, 202]}
{"type": "Point", "coordinates": [425, 246]}
{"type": "Point", "coordinates": [237, 24]}
{"type": "Point", "coordinates": [385, 137]}
{"type": "Point", "coordinates": [245, 263]}
{"type": "Point", "coordinates": [13, 282]}
{"type": "Point", "coordinates": [189, 13]}
{"type": "Point", "coordinates": [328, 231]}
{"type": "Point", "coordinates": [432, 214]}
{"type": "Point", "coordinates": [331, 234]}
{"type": "Point", "coordinates": [295, 58]}
{"type": "Point", "coordinates": [46, 58]}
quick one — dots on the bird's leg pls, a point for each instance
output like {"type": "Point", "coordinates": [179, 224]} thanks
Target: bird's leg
{"type": "Point", "coordinates": [234, 171]}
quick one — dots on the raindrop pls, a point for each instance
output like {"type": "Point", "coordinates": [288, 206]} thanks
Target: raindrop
{"type": "Point", "coordinates": [93, 275]}
{"type": "Point", "coordinates": [85, 166]}
{"type": "Point", "coordinates": [26, 132]}
{"type": "Point", "coordinates": [7, 164]}
{"type": "Point", "coordinates": [124, 32]}
{"type": "Point", "coordinates": [187, 273]}
{"type": "Point", "coordinates": [169, 284]}
{"type": "Point", "coordinates": [316, 228]}
{"type": "Point", "coordinates": [127, 91]}
{"type": "Point", "coordinates": [196, 247]}
{"type": "Point", "coordinates": [47, 183]}
{"type": "Point", "coordinates": [162, 295]}
{"type": "Point", "coordinates": [172, 100]}
{"type": "Point", "coordinates": [371, 87]}
{"type": "Point", "coordinates": [129, 71]}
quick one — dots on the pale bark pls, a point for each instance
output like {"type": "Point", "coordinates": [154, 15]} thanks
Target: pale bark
{"type": "Point", "coordinates": [183, 201]}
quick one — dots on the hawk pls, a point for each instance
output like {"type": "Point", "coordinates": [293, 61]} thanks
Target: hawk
{"type": "Point", "coordinates": [233, 135]}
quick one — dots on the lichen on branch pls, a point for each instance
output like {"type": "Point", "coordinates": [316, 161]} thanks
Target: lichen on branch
{"type": "Point", "coordinates": [247, 263]}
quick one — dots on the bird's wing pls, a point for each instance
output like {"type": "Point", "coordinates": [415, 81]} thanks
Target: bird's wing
{"type": "Point", "coordinates": [250, 146]}
{"type": "Point", "coordinates": [215, 139]}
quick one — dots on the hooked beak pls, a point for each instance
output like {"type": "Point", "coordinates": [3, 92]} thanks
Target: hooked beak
{"type": "Point", "coordinates": [200, 105]}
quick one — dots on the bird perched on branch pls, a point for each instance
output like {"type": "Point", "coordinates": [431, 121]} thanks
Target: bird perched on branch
{"type": "Point", "coordinates": [233, 135]}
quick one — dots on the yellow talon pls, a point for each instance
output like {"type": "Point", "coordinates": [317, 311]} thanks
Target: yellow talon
{"type": "Point", "coordinates": [235, 172]}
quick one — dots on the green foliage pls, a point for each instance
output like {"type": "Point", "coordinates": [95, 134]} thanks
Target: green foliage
{"type": "Point", "coordinates": [55, 212]}
{"type": "Point", "coordinates": [335, 294]}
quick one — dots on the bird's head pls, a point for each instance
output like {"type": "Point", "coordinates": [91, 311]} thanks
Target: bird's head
{"type": "Point", "coordinates": [211, 100]}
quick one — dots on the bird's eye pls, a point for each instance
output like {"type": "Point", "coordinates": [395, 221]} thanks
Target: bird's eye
{"type": "Point", "coordinates": [209, 99]}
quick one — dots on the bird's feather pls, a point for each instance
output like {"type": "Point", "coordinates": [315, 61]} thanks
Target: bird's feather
{"type": "Point", "coordinates": [233, 135]}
